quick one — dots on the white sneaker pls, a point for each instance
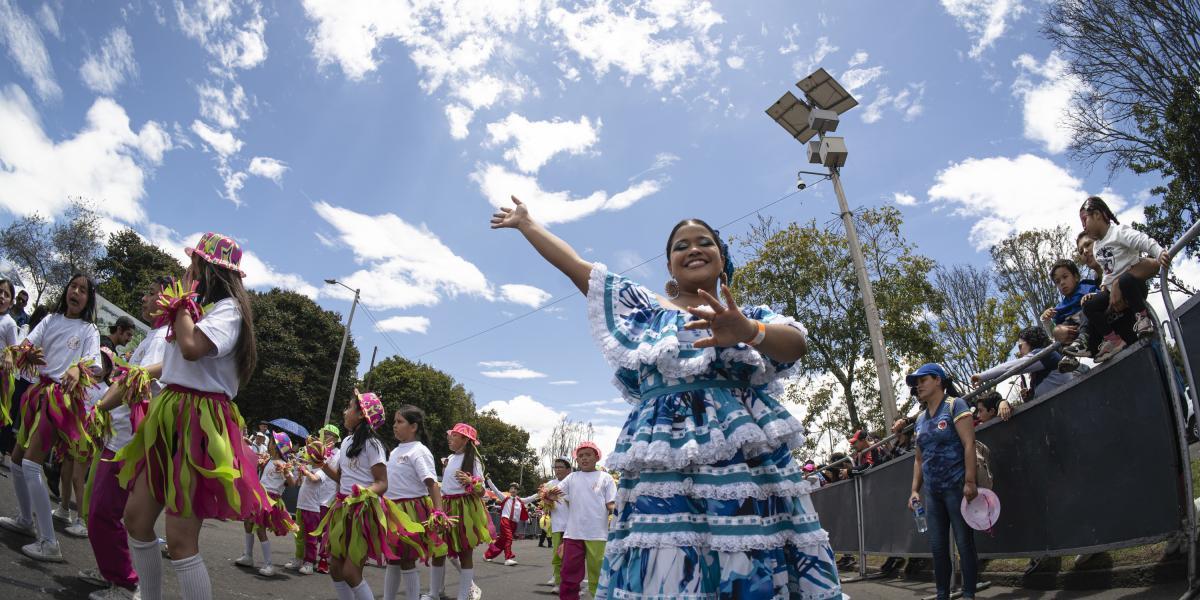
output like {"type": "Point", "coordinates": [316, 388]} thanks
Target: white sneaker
{"type": "Point", "coordinates": [93, 577]}
{"type": "Point", "coordinates": [62, 514]}
{"type": "Point", "coordinates": [43, 550]}
{"type": "Point", "coordinates": [15, 525]}
{"type": "Point", "coordinates": [551, 582]}
{"type": "Point", "coordinates": [306, 569]}
{"type": "Point", "coordinates": [244, 560]}
{"type": "Point", "coordinates": [486, 559]}
{"type": "Point", "coordinates": [476, 593]}
{"type": "Point", "coordinates": [1143, 326]}
{"type": "Point", "coordinates": [76, 529]}
{"type": "Point", "coordinates": [293, 564]}
{"type": "Point", "coordinates": [510, 562]}
{"type": "Point", "coordinates": [554, 590]}
{"type": "Point", "coordinates": [267, 571]}
{"type": "Point", "coordinates": [115, 593]}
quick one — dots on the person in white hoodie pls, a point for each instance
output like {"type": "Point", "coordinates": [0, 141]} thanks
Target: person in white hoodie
{"type": "Point", "coordinates": [1118, 250]}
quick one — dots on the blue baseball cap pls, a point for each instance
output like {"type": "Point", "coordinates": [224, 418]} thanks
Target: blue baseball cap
{"type": "Point", "coordinates": [926, 369]}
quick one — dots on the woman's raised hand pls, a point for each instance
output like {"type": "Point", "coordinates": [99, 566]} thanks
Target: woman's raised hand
{"type": "Point", "coordinates": [729, 326]}
{"type": "Point", "coordinates": [512, 218]}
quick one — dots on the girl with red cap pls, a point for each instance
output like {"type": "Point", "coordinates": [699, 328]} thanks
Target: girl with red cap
{"type": "Point", "coordinates": [462, 493]}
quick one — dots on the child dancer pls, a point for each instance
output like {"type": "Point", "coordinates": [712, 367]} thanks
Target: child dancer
{"type": "Point", "coordinates": [462, 490]}
{"type": "Point", "coordinates": [315, 488]}
{"type": "Point", "coordinates": [127, 402]}
{"type": "Point", "coordinates": [273, 518]}
{"type": "Point", "coordinates": [412, 486]}
{"type": "Point", "coordinates": [82, 454]}
{"type": "Point", "coordinates": [559, 514]}
{"type": "Point", "coordinates": [512, 511]}
{"type": "Point", "coordinates": [9, 396]}
{"type": "Point", "coordinates": [360, 522]}
{"type": "Point", "coordinates": [592, 496]}
{"type": "Point", "coordinates": [52, 408]}
{"type": "Point", "coordinates": [188, 455]}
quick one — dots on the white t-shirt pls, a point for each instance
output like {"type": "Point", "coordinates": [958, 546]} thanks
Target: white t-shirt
{"type": "Point", "coordinates": [357, 470]}
{"type": "Point", "coordinates": [450, 485]}
{"type": "Point", "coordinates": [309, 498]}
{"type": "Point", "coordinates": [1120, 249]}
{"type": "Point", "coordinates": [409, 465]}
{"type": "Point", "coordinates": [217, 372]}
{"type": "Point", "coordinates": [589, 494]}
{"type": "Point", "coordinates": [272, 479]}
{"type": "Point", "coordinates": [64, 341]}
{"type": "Point", "coordinates": [560, 513]}
{"type": "Point", "coordinates": [8, 330]}
{"type": "Point", "coordinates": [329, 487]}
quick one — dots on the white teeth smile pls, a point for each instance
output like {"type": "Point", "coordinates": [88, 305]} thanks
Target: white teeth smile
{"type": "Point", "coordinates": [696, 262]}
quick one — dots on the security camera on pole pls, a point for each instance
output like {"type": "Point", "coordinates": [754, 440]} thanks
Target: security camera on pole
{"type": "Point", "coordinates": [826, 99]}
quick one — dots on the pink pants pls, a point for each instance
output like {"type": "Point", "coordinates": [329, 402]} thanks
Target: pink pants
{"type": "Point", "coordinates": [106, 531]}
{"type": "Point", "coordinates": [308, 524]}
{"type": "Point", "coordinates": [504, 542]}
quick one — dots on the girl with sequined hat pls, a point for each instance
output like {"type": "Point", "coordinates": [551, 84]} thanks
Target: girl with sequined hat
{"type": "Point", "coordinates": [188, 455]}
{"type": "Point", "coordinates": [462, 499]}
{"type": "Point", "coordinates": [273, 518]}
{"type": "Point", "coordinates": [362, 524]}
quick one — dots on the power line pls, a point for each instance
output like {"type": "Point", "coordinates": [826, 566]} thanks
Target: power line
{"type": "Point", "coordinates": [577, 293]}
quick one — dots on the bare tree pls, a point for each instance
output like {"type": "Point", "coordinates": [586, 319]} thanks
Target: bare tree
{"type": "Point", "coordinates": [48, 254]}
{"type": "Point", "coordinates": [1022, 263]}
{"type": "Point", "coordinates": [26, 244]}
{"type": "Point", "coordinates": [976, 325]}
{"type": "Point", "coordinates": [567, 436]}
{"type": "Point", "coordinates": [77, 240]}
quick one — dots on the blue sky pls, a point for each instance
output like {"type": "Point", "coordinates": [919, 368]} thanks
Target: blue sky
{"type": "Point", "coordinates": [369, 142]}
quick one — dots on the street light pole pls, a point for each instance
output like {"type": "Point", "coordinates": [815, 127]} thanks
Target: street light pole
{"type": "Point", "coordinates": [883, 369]}
{"type": "Point", "coordinates": [337, 371]}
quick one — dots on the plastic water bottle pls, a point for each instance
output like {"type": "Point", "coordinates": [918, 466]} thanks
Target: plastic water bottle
{"type": "Point", "coordinates": [919, 517]}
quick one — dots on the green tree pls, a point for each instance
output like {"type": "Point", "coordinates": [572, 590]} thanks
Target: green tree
{"type": "Point", "coordinates": [46, 255]}
{"type": "Point", "coordinates": [805, 271]}
{"type": "Point", "coordinates": [399, 381]}
{"type": "Point", "coordinates": [1022, 266]}
{"type": "Point", "coordinates": [976, 325]}
{"type": "Point", "coordinates": [298, 343]}
{"type": "Point", "coordinates": [506, 452]}
{"type": "Point", "coordinates": [129, 266]}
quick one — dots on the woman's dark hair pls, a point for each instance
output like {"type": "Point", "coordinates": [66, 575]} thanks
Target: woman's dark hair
{"type": "Point", "coordinates": [470, 455]}
{"type": "Point", "coordinates": [363, 433]}
{"type": "Point", "coordinates": [1035, 336]}
{"type": "Point", "coordinates": [216, 284]}
{"type": "Point", "coordinates": [990, 400]}
{"type": "Point", "coordinates": [1081, 235]}
{"type": "Point", "coordinates": [1096, 204]}
{"type": "Point", "coordinates": [88, 313]}
{"type": "Point", "coordinates": [728, 273]}
{"type": "Point", "coordinates": [106, 366]}
{"type": "Point", "coordinates": [1064, 263]}
{"type": "Point", "coordinates": [566, 463]}
{"type": "Point", "coordinates": [416, 416]}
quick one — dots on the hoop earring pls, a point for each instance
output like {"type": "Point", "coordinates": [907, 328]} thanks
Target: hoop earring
{"type": "Point", "coordinates": [672, 288]}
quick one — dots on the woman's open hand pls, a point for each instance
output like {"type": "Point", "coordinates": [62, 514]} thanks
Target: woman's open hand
{"type": "Point", "coordinates": [511, 218]}
{"type": "Point", "coordinates": [728, 325]}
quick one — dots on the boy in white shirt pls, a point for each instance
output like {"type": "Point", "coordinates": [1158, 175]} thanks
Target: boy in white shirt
{"type": "Point", "coordinates": [591, 496]}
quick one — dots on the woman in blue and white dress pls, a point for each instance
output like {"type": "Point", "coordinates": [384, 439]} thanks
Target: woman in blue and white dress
{"type": "Point", "coordinates": [710, 503]}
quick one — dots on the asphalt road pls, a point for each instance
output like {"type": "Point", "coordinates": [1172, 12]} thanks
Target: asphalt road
{"type": "Point", "coordinates": [221, 542]}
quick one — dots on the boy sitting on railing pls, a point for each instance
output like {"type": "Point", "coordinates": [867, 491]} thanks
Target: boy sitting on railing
{"type": "Point", "coordinates": [1067, 316]}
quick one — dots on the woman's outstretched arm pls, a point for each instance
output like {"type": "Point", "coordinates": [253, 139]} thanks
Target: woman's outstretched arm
{"type": "Point", "coordinates": [551, 247]}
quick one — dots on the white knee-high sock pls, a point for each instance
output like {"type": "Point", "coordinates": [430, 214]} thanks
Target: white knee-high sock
{"type": "Point", "coordinates": [39, 498]}
{"type": "Point", "coordinates": [437, 580]}
{"type": "Point", "coordinates": [194, 583]}
{"type": "Point", "coordinates": [343, 591]}
{"type": "Point", "coordinates": [22, 492]}
{"type": "Point", "coordinates": [362, 591]}
{"type": "Point", "coordinates": [148, 563]}
{"type": "Point", "coordinates": [249, 545]}
{"type": "Point", "coordinates": [412, 584]}
{"type": "Point", "coordinates": [465, 578]}
{"type": "Point", "coordinates": [266, 551]}
{"type": "Point", "coordinates": [391, 582]}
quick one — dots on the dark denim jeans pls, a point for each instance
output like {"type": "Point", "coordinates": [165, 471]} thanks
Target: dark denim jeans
{"type": "Point", "coordinates": [944, 511]}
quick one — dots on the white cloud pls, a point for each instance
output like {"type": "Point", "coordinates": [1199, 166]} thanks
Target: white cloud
{"type": "Point", "coordinates": [500, 364]}
{"type": "Point", "coordinates": [223, 109]}
{"type": "Point", "coordinates": [459, 117]}
{"type": "Point", "coordinates": [224, 143]}
{"type": "Point", "coordinates": [103, 73]}
{"type": "Point", "coordinates": [859, 58]}
{"type": "Point", "coordinates": [270, 168]}
{"type": "Point", "coordinates": [1045, 101]}
{"type": "Point", "coordinates": [1007, 195]}
{"type": "Point", "coordinates": [524, 294]}
{"type": "Point", "coordinates": [536, 142]}
{"type": "Point", "coordinates": [408, 264]}
{"type": "Point", "coordinates": [232, 32]}
{"type": "Point", "coordinates": [986, 20]}
{"type": "Point", "coordinates": [517, 372]}
{"type": "Point", "coordinates": [735, 62]}
{"type": "Point", "coordinates": [662, 161]}
{"type": "Point", "coordinates": [497, 183]}
{"type": "Point", "coordinates": [904, 199]}
{"type": "Point", "coordinates": [611, 412]}
{"type": "Point", "coordinates": [537, 419]}
{"type": "Point", "coordinates": [791, 34]}
{"type": "Point", "coordinates": [49, 21]}
{"type": "Point", "coordinates": [853, 79]}
{"type": "Point", "coordinates": [106, 160]}
{"type": "Point", "coordinates": [564, 382]}
{"type": "Point", "coordinates": [804, 68]}
{"type": "Point", "coordinates": [404, 324]}
{"type": "Point", "coordinates": [27, 49]}
{"type": "Point", "coordinates": [907, 103]}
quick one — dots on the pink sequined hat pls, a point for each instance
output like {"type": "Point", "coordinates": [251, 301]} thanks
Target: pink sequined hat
{"type": "Point", "coordinates": [588, 444]}
{"type": "Point", "coordinates": [466, 431]}
{"type": "Point", "coordinates": [219, 250]}
{"type": "Point", "coordinates": [283, 442]}
{"type": "Point", "coordinates": [371, 407]}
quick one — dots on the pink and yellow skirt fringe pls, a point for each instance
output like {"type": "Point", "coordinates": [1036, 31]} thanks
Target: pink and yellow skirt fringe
{"type": "Point", "coordinates": [52, 414]}
{"type": "Point", "coordinates": [275, 518]}
{"type": "Point", "coordinates": [420, 510]}
{"type": "Point", "coordinates": [471, 529]}
{"type": "Point", "coordinates": [364, 526]}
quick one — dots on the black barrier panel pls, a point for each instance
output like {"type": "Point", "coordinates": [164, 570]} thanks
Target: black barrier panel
{"type": "Point", "coordinates": [1093, 465]}
{"type": "Point", "coordinates": [1189, 323]}
{"type": "Point", "coordinates": [839, 516]}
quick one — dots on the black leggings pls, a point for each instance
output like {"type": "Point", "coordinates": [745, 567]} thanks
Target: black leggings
{"type": "Point", "coordinates": [1100, 323]}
